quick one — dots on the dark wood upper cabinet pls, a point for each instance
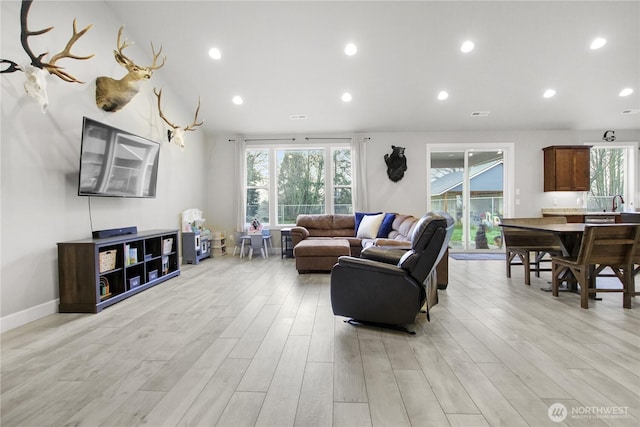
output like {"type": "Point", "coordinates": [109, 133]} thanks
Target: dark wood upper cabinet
{"type": "Point", "coordinates": [567, 168]}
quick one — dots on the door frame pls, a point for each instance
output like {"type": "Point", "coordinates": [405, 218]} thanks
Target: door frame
{"type": "Point", "coordinates": [508, 185]}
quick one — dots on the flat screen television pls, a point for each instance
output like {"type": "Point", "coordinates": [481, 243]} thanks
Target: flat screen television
{"type": "Point", "coordinates": [116, 163]}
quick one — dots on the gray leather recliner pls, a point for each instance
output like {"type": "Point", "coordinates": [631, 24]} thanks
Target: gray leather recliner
{"type": "Point", "coordinates": [387, 286]}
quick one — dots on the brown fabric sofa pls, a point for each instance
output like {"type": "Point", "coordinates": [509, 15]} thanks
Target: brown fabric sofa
{"type": "Point", "coordinates": [343, 226]}
{"type": "Point", "coordinates": [327, 226]}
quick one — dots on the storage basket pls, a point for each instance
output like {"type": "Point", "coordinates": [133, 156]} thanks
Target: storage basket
{"type": "Point", "coordinates": [167, 245]}
{"type": "Point", "coordinates": [107, 260]}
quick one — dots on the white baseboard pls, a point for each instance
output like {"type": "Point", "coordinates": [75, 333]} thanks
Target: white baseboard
{"type": "Point", "coordinates": [23, 317]}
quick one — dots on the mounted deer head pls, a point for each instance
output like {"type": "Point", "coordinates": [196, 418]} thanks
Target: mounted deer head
{"type": "Point", "coordinates": [111, 94]}
{"type": "Point", "coordinates": [177, 133]}
{"type": "Point", "coordinates": [36, 84]}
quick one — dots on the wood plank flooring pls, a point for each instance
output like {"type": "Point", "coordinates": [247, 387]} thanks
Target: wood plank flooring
{"type": "Point", "coordinates": [238, 342]}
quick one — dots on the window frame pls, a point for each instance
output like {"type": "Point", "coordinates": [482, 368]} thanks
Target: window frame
{"type": "Point", "coordinates": [630, 170]}
{"type": "Point", "coordinates": [247, 187]}
{"type": "Point", "coordinates": [329, 187]}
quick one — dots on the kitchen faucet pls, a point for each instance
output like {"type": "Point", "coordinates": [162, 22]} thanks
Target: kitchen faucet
{"type": "Point", "coordinates": [613, 203]}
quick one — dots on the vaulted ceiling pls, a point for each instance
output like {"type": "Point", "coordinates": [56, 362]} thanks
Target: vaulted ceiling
{"type": "Point", "coordinates": [287, 59]}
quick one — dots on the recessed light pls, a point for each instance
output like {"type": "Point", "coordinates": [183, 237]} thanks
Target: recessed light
{"type": "Point", "coordinates": [443, 95]}
{"type": "Point", "coordinates": [237, 100]}
{"type": "Point", "coordinates": [549, 93]}
{"type": "Point", "coordinates": [626, 91]}
{"type": "Point", "coordinates": [598, 43]}
{"type": "Point", "coordinates": [350, 49]}
{"type": "Point", "coordinates": [215, 53]}
{"type": "Point", "coordinates": [346, 97]}
{"type": "Point", "coordinates": [467, 46]}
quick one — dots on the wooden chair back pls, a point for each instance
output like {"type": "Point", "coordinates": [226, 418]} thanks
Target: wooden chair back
{"type": "Point", "coordinates": [610, 244]}
{"type": "Point", "coordinates": [532, 240]}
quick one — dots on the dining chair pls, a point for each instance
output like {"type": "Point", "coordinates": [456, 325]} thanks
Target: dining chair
{"type": "Point", "coordinates": [611, 245]}
{"type": "Point", "coordinates": [522, 243]}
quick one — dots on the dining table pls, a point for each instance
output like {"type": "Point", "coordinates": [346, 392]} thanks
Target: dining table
{"type": "Point", "coordinates": [569, 237]}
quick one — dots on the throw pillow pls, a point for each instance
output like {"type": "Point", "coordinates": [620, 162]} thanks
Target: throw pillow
{"type": "Point", "coordinates": [369, 226]}
{"type": "Point", "coordinates": [360, 215]}
{"type": "Point", "coordinates": [386, 226]}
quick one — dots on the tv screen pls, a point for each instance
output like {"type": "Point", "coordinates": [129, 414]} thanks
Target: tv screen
{"type": "Point", "coordinates": [116, 163]}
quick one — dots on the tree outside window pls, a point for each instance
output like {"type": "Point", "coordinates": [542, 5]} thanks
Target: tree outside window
{"type": "Point", "coordinates": [301, 183]}
{"type": "Point", "coordinates": [342, 190]}
{"type": "Point", "coordinates": [257, 186]}
{"type": "Point", "coordinates": [304, 181]}
{"type": "Point", "coordinates": [607, 177]}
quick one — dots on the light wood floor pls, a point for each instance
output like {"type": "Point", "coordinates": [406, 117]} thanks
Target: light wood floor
{"type": "Point", "coordinates": [234, 342]}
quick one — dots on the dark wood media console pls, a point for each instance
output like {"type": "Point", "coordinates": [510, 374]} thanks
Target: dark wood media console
{"type": "Point", "coordinates": [96, 273]}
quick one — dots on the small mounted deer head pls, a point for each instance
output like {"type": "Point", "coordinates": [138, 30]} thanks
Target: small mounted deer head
{"type": "Point", "coordinates": [35, 83]}
{"type": "Point", "coordinates": [176, 132]}
{"type": "Point", "coordinates": [111, 94]}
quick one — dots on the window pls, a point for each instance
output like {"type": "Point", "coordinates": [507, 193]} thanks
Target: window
{"type": "Point", "coordinates": [283, 182]}
{"type": "Point", "coordinates": [342, 182]}
{"type": "Point", "coordinates": [301, 183]}
{"type": "Point", "coordinates": [612, 174]}
{"type": "Point", "coordinates": [257, 186]}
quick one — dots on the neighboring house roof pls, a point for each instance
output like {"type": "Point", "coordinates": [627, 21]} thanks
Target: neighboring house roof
{"type": "Point", "coordinates": [484, 177]}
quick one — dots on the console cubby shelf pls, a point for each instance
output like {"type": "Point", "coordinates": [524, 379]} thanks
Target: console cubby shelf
{"type": "Point", "coordinates": [91, 278]}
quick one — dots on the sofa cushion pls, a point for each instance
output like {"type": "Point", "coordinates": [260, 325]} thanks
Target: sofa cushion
{"type": "Point", "coordinates": [344, 222]}
{"type": "Point", "coordinates": [386, 226]}
{"type": "Point", "coordinates": [406, 228]}
{"type": "Point", "coordinates": [358, 218]}
{"type": "Point", "coordinates": [319, 221]}
{"type": "Point", "coordinates": [369, 226]}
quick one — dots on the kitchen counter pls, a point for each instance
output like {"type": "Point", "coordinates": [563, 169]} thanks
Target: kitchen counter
{"type": "Point", "coordinates": [574, 211]}
{"type": "Point", "coordinates": [581, 215]}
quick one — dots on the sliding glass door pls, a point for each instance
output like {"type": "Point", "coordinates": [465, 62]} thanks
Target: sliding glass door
{"type": "Point", "coordinates": [469, 185]}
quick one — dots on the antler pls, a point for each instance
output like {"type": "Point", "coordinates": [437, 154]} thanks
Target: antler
{"type": "Point", "coordinates": [162, 116]}
{"type": "Point", "coordinates": [122, 45]}
{"type": "Point", "coordinates": [66, 53]}
{"type": "Point", "coordinates": [36, 61]}
{"type": "Point", "coordinates": [155, 58]}
{"type": "Point", "coordinates": [12, 67]}
{"type": "Point", "coordinates": [193, 125]}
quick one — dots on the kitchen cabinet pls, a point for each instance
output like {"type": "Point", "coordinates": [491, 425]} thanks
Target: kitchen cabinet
{"type": "Point", "coordinates": [567, 168]}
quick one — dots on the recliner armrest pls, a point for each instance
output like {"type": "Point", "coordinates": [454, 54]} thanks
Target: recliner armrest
{"type": "Point", "coordinates": [386, 254]}
{"type": "Point", "coordinates": [370, 266]}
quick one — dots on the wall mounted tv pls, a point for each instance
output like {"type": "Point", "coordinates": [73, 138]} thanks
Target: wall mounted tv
{"type": "Point", "coordinates": [116, 163]}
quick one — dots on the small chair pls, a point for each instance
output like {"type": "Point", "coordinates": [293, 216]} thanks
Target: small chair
{"type": "Point", "coordinates": [521, 243]}
{"type": "Point", "coordinates": [257, 242]}
{"type": "Point", "coordinates": [266, 240]}
{"type": "Point", "coordinates": [611, 245]}
{"type": "Point", "coordinates": [239, 241]}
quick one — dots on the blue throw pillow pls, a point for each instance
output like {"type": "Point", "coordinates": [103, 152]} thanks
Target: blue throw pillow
{"type": "Point", "coordinates": [360, 215]}
{"type": "Point", "coordinates": [387, 223]}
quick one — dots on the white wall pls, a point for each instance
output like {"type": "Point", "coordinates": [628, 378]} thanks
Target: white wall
{"type": "Point", "coordinates": [40, 155]}
{"type": "Point", "coordinates": [409, 194]}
